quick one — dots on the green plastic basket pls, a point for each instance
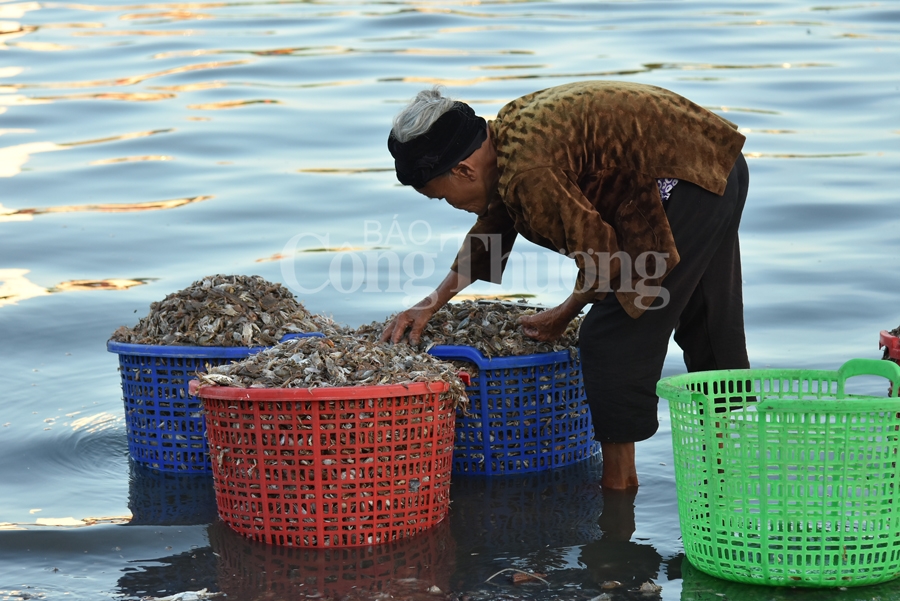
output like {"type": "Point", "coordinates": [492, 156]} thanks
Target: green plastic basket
{"type": "Point", "coordinates": [784, 479]}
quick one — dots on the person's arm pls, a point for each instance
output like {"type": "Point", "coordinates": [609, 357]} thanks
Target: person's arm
{"type": "Point", "coordinates": [416, 317]}
{"type": "Point", "coordinates": [482, 256]}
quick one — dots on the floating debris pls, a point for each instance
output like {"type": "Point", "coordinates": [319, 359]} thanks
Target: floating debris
{"type": "Point", "coordinates": [526, 577]}
{"type": "Point", "coordinates": [487, 325]}
{"type": "Point", "coordinates": [186, 596]}
{"type": "Point", "coordinates": [337, 361]}
{"type": "Point", "coordinates": [520, 576]}
{"type": "Point", "coordinates": [650, 588]}
{"type": "Point", "coordinates": [396, 589]}
{"type": "Point", "coordinates": [225, 310]}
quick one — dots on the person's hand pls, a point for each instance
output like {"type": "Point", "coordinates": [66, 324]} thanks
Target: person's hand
{"type": "Point", "coordinates": [545, 326]}
{"type": "Point", "coordinates": [551, 324]}
{"type": "Point", "coordinates": [413, 319]}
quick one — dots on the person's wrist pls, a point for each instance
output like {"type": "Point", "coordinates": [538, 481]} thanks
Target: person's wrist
{"type": "Point", "coordinates": [571, 307]}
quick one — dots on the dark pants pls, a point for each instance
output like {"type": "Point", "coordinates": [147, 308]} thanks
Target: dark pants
{"type": "Point", "coordinates": [623, 357]}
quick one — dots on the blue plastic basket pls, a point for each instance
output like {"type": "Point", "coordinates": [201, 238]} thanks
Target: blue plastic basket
{"type": "Point", "coordinates": [165, 424]}
{"type": "Point", "coordinates": [526, 413]}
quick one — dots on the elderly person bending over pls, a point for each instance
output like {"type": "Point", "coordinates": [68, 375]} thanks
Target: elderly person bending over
{"type": "Point", "coordinates": [641, 187]}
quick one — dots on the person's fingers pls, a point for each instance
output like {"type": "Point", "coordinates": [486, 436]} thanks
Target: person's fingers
{"type": "Point", "coordinates": [402, 323]}
{"type": "Point", "coordinates": [415, 332]}
{"type": "Point", "coordinates": [388, 330]}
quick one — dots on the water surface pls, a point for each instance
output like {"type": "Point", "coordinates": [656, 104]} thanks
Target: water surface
{"type": "Point", "coordinates": [144, 146]}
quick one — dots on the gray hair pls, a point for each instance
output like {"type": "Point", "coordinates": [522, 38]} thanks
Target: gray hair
{"type": "Point", "coordinates": [420, 114]}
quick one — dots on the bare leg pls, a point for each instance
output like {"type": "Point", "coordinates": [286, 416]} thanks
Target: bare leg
{"type": "Point", "coordinates": [619, 472]}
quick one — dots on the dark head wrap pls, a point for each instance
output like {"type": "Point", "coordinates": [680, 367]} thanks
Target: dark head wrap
{"type": "Point", "coordinates": [452, 138]}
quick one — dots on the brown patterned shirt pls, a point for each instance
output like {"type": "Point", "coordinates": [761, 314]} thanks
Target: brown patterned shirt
{"type": "Point", "coordinates": [578, 167]}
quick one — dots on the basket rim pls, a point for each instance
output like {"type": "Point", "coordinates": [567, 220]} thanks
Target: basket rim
{"type": "Point", "coordinates": [890, 342]}
{"type": "Point", "coordinates": [675, 388]}
{"type": "Point", "coordinates": [330, 393]}
{"type": "Point", "coordinates": [196, 352]}
{"type": "Point", "coordinates": [472, 354]}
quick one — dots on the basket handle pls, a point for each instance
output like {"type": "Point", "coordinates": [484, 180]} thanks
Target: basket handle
{"type": "Point", "coordinates": [460, 352]}
{"type": "Point", "coordinates": [302, 335]}
{"type": "Point", "coordinates": [869, 367]}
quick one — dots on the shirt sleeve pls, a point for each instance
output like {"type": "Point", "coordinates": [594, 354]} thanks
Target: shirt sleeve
{"type": "Point", "coordinates": [561, 217]}
{"type": "Point", "coordinates": [487, 245]}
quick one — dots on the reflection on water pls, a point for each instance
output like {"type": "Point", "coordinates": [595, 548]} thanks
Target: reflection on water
{"type": "Point", "coordinates": [521, 514]}
{"type": "Point", "coordinates": [138, 159]}
{"type": "Point", "coordinates": [12, 158]}
{"type": "Point", "coordinates": [616, 557]}
{"type": "Point", "coordinates": [110, 284]}
{"type": "Point", "coordinates": [136, 79]}
{"type": "Point", "coordinates": [133, 32]}
{"type": "Point", "coordinates": [250, 571]}
{"type": "Point", "coordinates": [556, 524]}
{"type": "Point", "coordinates": [169, 575]}
{"type": "Point", "coordinates": [339, 171]}
{"type": "Point", "coordinates": [698, 586]}
{"type": "Point", "coordinates": [15, 287]}
{"type": "Point", "coordinates": [229, 104]}
{"type": "Point", "coordinates": [169, 498]}
{"type": "Point", "coordinates": [113, 207]}
{"type": "Point", "coordinates": [81, 522]}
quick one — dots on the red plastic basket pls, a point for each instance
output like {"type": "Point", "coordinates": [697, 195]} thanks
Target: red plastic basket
{"type": "Point", "coordinates": [891, 345]}
{"type": "Point", "coordinates": [330, 467]}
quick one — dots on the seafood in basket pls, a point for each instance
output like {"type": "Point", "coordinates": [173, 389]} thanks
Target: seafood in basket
{"type": "Point", "coordinates": [335, 361]}
{"type": "Point", "coordinates": [225, 310]}
{"type": "Point", "coordinates": [490, 326]}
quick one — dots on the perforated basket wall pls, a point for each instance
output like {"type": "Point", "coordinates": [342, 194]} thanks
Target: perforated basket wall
{"type": "Point", "coordinates": [403, 569]}
{"type": "Point", "coordinates": [164, 422]}
{"type": "Point", "coordinates": [784, 479]}
{"type": "Point", "coordinates": [331, 467]}
{"type": "Point", "coordinates": [526, 413]}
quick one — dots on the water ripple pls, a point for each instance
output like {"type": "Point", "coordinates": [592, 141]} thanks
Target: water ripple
{"type": "Point", "coordinates": [112, 207]}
